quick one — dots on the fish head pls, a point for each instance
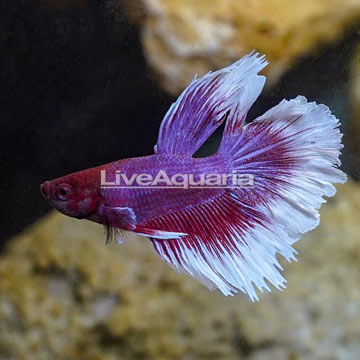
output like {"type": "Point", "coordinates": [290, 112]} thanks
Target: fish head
{"type": "Point", "coordinates": [74, 195]}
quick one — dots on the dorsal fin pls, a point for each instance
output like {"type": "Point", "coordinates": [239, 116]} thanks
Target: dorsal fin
{"type": "Point", "coordinates": [202, 106]}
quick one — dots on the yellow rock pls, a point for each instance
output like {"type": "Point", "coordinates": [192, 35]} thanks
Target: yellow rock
{"type": "Point", "coordinates": [184, 37]}
{"type": "Point", "coordinates": [65, 295]}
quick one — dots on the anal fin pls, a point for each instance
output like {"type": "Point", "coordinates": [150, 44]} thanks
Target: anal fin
{"type": "Point", "coordinates": [158, 234]}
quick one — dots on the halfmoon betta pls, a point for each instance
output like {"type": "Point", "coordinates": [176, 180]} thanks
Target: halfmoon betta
{"type": "Point", "coordinates": [225, 236]}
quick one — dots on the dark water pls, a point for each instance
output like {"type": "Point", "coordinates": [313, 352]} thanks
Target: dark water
{"type": "Point", "coordinates": [75, 92]}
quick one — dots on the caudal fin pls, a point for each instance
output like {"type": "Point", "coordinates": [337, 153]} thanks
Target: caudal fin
{"type": "Point", "coordinates": [292, 151]}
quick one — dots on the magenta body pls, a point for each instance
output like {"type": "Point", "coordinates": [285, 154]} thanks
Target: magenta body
{"type": "Point", "coordinates": [147, 203]}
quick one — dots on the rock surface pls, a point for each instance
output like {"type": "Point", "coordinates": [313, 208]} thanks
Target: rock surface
{"type": "Point", "coordinates": [65, 295]}
{"type": "Point", "coordinates": [184, 37]}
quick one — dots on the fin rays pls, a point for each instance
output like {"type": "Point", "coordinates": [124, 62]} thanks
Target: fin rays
{"type": "Point", "coordinates": [202, 106]}
{"type": "Point", "coordinates": [232, 241]}
{"type": "Point", "coordinates": [223, 249]}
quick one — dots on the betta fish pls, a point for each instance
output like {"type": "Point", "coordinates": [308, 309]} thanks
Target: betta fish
{"type": "Point", "coordinates": [225, 236]}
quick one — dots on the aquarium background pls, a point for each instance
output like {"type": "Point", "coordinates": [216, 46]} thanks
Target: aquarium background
{"type": "Point", "coordinates": [87, 82]}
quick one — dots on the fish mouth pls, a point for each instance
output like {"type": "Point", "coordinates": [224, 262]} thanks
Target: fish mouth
{"type": "Point", "coordinates": [45, 189]}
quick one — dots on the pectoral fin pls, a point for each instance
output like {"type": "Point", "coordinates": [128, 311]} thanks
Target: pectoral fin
{"type": "Point", "coordinates": [118, 219]}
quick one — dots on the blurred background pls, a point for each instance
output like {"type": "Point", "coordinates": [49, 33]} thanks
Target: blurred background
{"type": "Point", "coordinates": [87, 82]}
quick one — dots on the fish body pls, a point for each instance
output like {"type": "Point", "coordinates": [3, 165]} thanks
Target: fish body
{"type": "Point", "coordinates": [146, 202]}
{"type": "Point", "coordinates": [199, 219]}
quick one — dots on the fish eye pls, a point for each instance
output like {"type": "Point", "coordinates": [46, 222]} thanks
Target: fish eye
{"type": "Point", "coordinates": [63, 192]}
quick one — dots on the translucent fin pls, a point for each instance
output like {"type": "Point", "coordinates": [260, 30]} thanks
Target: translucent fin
{"type": "Point", "coordinates": [114, 234]}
